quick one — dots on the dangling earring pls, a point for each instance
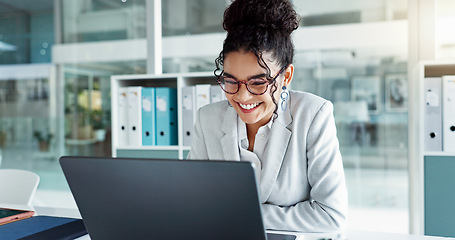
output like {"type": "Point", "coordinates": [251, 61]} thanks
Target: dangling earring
{"type": "Point", "coordinates": [284, 98]}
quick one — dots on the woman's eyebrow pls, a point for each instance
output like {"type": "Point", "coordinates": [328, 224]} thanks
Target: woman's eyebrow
{"type": "Point", "coordinates": [258, 76]}
{"type": "Point", "coordinates": [261, 75]}
{"type": "Point", "coordinates": [229, 75]}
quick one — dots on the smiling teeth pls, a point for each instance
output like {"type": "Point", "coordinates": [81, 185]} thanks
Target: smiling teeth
{"type": "Point", "coordinates": [248, 106]}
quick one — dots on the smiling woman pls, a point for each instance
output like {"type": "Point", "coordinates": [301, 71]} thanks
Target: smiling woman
{"type": "Point", "coordinates": [255, 108]}
{"type": "Point", "coordinates": [288, 136]}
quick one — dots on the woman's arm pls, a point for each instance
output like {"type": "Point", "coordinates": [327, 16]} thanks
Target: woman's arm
{"type": "Point", "coordinates": [327, 207]}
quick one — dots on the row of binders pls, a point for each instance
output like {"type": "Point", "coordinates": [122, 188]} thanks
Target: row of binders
{"type": "Point", "coordinates": [439, 114]}
{"type": "Point", "coordinates": [147, 116]}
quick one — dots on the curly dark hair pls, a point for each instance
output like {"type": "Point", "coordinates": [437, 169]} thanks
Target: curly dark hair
{"type": "Point", "coordinates": [260, 26]}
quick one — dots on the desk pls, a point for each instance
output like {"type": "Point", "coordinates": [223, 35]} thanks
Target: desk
{"type": "Point", "coordinates": [347, 235]}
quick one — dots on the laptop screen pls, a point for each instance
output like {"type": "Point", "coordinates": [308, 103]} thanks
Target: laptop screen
{"type": "Point", "coordinates": [165, 199]}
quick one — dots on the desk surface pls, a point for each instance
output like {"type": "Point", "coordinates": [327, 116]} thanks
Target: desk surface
{"type": "Point", "coordinates": [347, 235]}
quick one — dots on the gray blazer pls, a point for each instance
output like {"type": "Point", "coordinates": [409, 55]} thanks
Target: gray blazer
{"type": "Point", "coordinates": [302, 185]}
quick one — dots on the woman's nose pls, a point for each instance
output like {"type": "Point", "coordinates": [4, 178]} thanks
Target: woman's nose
{"type": "Point", "coordinates": [243, 93]}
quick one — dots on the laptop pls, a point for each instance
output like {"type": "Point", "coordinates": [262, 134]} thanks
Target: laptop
{"type": "Point", "coordinates": [125, 198]}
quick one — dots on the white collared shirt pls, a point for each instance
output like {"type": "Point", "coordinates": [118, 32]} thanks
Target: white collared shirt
{"type": "Point", "coordinates": [260, 142]}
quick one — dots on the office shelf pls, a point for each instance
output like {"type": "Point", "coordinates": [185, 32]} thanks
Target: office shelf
{"type": "Point", "coordinates": [430, 172]}
{"type": "Point", "coordinates": [177, 81]}
{"type": "Point", "coordinates": [439, 153]}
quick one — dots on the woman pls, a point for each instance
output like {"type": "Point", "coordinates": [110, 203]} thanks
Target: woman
{"type": "Point", "coordinates": [289, 136]}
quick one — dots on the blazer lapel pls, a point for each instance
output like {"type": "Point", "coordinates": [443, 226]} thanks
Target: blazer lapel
{"type": "Point", "coordinates": [274, 154]}
{"type": "Point", "coordinates": [229, 140]}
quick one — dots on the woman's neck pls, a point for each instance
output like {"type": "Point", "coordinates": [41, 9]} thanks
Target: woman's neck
{"type": "Point", "coordinates": [252, 130]}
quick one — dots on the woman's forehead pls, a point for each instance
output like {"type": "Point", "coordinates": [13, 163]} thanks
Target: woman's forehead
{"type": "Point", "coordinates": [238, 60]}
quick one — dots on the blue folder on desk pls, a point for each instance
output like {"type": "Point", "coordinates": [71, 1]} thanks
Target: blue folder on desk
{"type": "Point", "coordinates": [43, 227]}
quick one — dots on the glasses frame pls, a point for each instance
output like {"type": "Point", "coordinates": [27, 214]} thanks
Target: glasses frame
{"type": "Point", "coordinates": [240, 82]}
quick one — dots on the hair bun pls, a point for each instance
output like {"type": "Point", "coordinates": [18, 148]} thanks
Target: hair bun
{"type": "Point", "coordinates": [248, 15]}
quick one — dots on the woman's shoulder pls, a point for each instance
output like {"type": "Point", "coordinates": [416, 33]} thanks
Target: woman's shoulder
{"type": "Point", "coordinates": [214, 110]}
{"type": "Point", "coordinates": [304, 104]}
{"type": "Point", "coordinates": [299, 98]}
{"type": "Point", "coordinates": [216, 106]}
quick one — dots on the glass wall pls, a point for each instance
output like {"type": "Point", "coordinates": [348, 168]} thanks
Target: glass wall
{"type": "Point", "coordinates": [194, 64]}
{"type": "Point", "coordinates": [186, 17]}
{"type": "Point", "coordinates": [86, 84]}
{"type": "Point", "coordinates": [369, 93]}
{"type": "Point", "coordinates": [25, 117]}
{"type": "Point", "coordinates": [26, 36]}
{"type": "Point", "coordinates": [101, 20]}
{"type": "Point", "coordinates": [14, 38]}
{"type": "Point", "coordinates": [330, 12]}
{"type": "Point", "coordinates": [87, 105]}
{"type": "Point", "coordinates": [28, 123]}
{"type": "Point", "coordinates": [370, 100]}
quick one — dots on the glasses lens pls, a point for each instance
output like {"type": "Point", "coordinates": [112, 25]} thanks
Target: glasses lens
{"type": "Point", "coordinates": [257, 86]}
{"type": "Point", "coordinates": [229, 85]}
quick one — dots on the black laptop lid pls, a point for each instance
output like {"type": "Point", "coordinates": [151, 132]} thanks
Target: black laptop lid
{"type": "Point", "coordinates": [165, 199]}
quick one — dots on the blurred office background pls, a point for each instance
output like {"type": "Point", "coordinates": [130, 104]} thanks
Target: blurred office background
{"type": "Point", "coordinates": [57, 56]}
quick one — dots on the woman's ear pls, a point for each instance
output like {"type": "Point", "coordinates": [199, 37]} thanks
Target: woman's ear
{"type": "Point", "coordinates": [289, 72]}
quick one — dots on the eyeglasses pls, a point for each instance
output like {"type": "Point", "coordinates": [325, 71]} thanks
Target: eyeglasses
{"type": "Point", "coordinates": [256, 86]}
